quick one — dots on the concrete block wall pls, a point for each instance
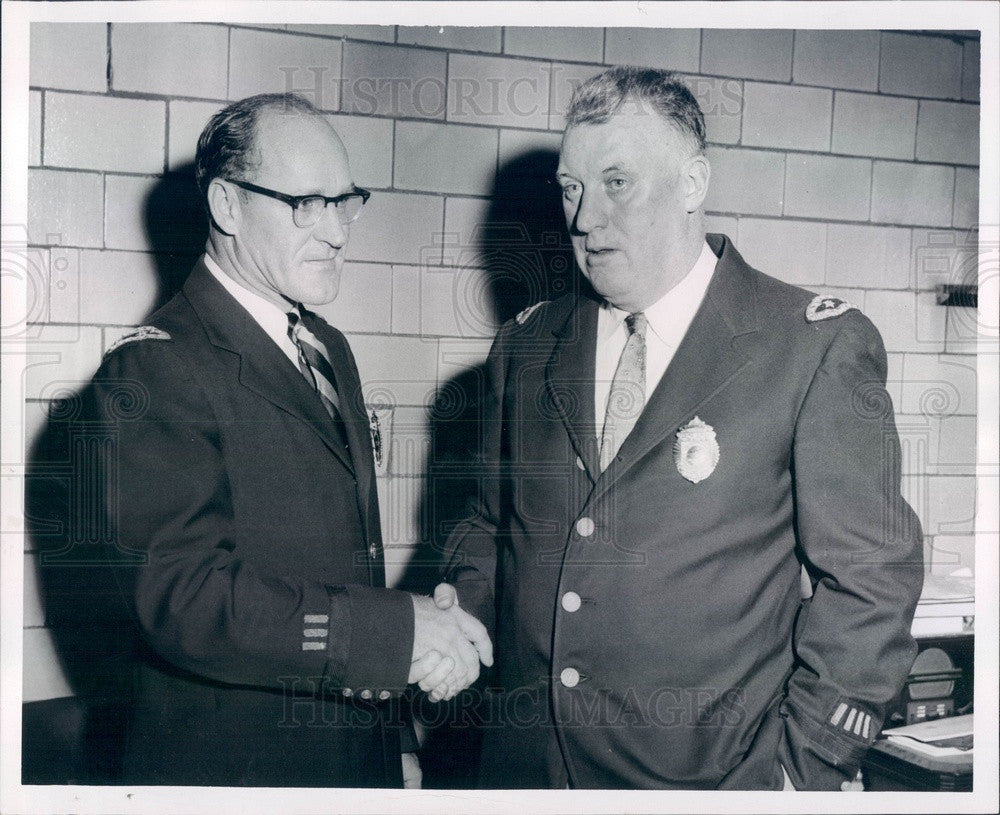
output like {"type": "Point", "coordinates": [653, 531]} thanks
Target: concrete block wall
{"type": "Point", "coordinates": [843, 161]}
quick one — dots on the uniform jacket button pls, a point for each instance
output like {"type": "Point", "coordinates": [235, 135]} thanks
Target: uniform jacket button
{"type": "Point", "coordinates": [348, 692]}
{"type": "Point", "coordinates": [571, 601]}
{"type": "Point", "coordinates": [366, 694]}
{"type": "Point", "coordinates": [585, 527]}
{"type": "Point", "coordinates": [384, 694]}
{"type": "Point", "coordinates": [570, 677]}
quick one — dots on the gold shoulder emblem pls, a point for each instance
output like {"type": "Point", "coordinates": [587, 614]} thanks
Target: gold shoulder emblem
{"type": "Point", "coordinates": [143, 332]}
{"type": "Point", "coordinates": [822, 307]}
{"type": "Point", "coordinates": [525, 315]}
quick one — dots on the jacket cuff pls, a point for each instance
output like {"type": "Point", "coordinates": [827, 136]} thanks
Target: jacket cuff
{"type": "Point", "coordinates": [815, 755]}
{"type": "Point", "coordinates": [408, 740]}
{"type": "Point", "coordinates": [475, 595]}
{"type": "Point", "coordinates": [370, 646]}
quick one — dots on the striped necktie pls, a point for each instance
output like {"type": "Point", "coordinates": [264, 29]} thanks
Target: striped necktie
{"type": "Point", "coordinates": [628, 390]}
{"type": "Point", "coordinates": [315, 365]}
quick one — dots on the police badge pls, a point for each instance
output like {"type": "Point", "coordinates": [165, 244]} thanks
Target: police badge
{"type": "Point", "coordinates": [696, 452]}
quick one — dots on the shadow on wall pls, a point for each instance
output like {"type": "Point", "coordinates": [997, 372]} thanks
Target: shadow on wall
{"type": "Point", "coordinates": [524, 249]}
{"type": "Point", "coordinates": [525, 252]}
{"type": "Point", "coordinates": [79, 739]}
{"type": "Point", "coordinates": [176, 227]}
{"type": "Point", "coordinates": [523, 243]}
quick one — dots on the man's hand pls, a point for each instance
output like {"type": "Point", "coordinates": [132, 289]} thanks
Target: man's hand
{"type": "Point", "coordinates": [787, 784]}
{"type": "Point", "coordinates": [857, 785]}
{"type": "Point", "coordinates": [448, 645]}
{"type": "Point", "coordinates": [847, 786]}
{"type": "Point", "coordinates": [445, 596]}
{"type": "Point", "coordinates": [412, 774]}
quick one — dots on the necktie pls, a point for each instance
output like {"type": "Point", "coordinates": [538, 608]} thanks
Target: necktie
{"type": "Point", "coordinates": [315, 365]}
{"type": "Point", "coordinates": [628, 390]}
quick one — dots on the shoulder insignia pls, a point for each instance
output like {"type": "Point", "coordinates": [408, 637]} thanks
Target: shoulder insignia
{"type": "Point", "coordinates": [143, 332]}
{"type": "Point", "coordinates": [524, 316]}
{"type": "Point", "coordinates": [824, 308]}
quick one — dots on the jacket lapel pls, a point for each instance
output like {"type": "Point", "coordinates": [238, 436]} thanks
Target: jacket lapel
{"type": "Point", "coordinates": [264, 369]}
{"type": "Point", "coordinates": [708, 358]}
{"type": "Point", "coordinates": [569, 378]}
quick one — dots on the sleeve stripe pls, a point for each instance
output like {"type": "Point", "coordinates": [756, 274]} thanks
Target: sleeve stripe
{"type": "Point", "coordinates": [868, 721]}
{"type": "Point", "coordinates": [850, 719]}
{"type": "Point", "coordinates": [316, 619]}
{"type": "Point", "coordinates": [859, 723]}
{"type": "Point", "coordinates": [838, 714]}
{"type": "Point", "coordinates": [316, 632]}
{"type": "Point", "coordinates": [313, 646]}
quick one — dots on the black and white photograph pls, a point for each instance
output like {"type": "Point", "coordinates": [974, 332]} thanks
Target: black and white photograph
{"type": "Point", "coordinates": [477, 407]}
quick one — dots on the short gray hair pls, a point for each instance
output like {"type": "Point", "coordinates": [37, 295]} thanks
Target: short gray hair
{"type": "Point", "coordinates": [227, 147]}
{"type": "Point", "coordinates": [601, 97]}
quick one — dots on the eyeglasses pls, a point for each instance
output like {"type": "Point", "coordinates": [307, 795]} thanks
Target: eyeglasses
{"type": "Point", "coordinates": [308, 209]}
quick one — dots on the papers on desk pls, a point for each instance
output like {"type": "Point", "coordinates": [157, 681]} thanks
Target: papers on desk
{"type": "Point", "coordinates": [947, 605]}
{"type": "Point", "coordinates": [951, 736]}
{"type": "Point", "coordinates": [958, 586]}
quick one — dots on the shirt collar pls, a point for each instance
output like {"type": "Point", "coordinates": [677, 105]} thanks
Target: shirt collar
{"type": "Point", "coordinates": [671, 315]}
{"type": "Point", "coordinates": [271, 318]}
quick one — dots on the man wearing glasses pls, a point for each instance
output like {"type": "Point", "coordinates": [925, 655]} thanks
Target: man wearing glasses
{"type": "Point", "coordinates": [273, 653]}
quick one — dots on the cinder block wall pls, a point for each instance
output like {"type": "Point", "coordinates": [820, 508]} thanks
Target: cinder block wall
{"type": "Point", "coordinates": [843, 161]}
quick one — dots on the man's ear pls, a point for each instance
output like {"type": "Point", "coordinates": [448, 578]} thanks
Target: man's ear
{"type": "Point", "coordinates": [224, 206]}
{"type": "Point", "coordinates": [695, 175]}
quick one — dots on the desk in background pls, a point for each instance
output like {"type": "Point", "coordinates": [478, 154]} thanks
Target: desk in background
{"type": "Point", "coordinates": [926, 743]}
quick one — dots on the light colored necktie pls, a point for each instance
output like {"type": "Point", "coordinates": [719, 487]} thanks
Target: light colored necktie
{"type": "Point", "coordinates": [315, 365]}
{"type": "Point", "coordinates": [628, 390]}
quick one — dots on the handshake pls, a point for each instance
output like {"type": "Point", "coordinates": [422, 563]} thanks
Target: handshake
{"type": "Point", "coordinates": [448, 645]}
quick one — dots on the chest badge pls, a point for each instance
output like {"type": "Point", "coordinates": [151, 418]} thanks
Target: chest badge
{"type": "Point", "coordinates": [696, 450]}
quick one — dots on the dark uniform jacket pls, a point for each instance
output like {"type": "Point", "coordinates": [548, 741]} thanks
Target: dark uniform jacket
{"type": "Point", "coordinates": [261, 598]}
{"type": "Point", "coordinates": [649, 625]}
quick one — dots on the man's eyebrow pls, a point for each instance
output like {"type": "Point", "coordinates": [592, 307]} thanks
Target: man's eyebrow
{"type": "Point", "coordinates": [614, 168]}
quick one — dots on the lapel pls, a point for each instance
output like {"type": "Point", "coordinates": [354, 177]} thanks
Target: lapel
{"type": "Point", "coordinates": [708, 358]}
{"type": "Point", "coordinates": [569, 378]}
{"type": "Point", "coordinates": [264, 369]}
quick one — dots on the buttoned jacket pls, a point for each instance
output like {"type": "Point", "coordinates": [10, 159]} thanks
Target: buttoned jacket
{"type": "Point", "coordinates": [270, 643]}
{"type": "Point", "coordinates": [649, 621]}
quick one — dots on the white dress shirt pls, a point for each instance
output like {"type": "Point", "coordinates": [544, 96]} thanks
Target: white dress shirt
{"type": "Point", "coordinates": [667, 321]}
{"type": "Point", "coordinates": [266, 314]}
